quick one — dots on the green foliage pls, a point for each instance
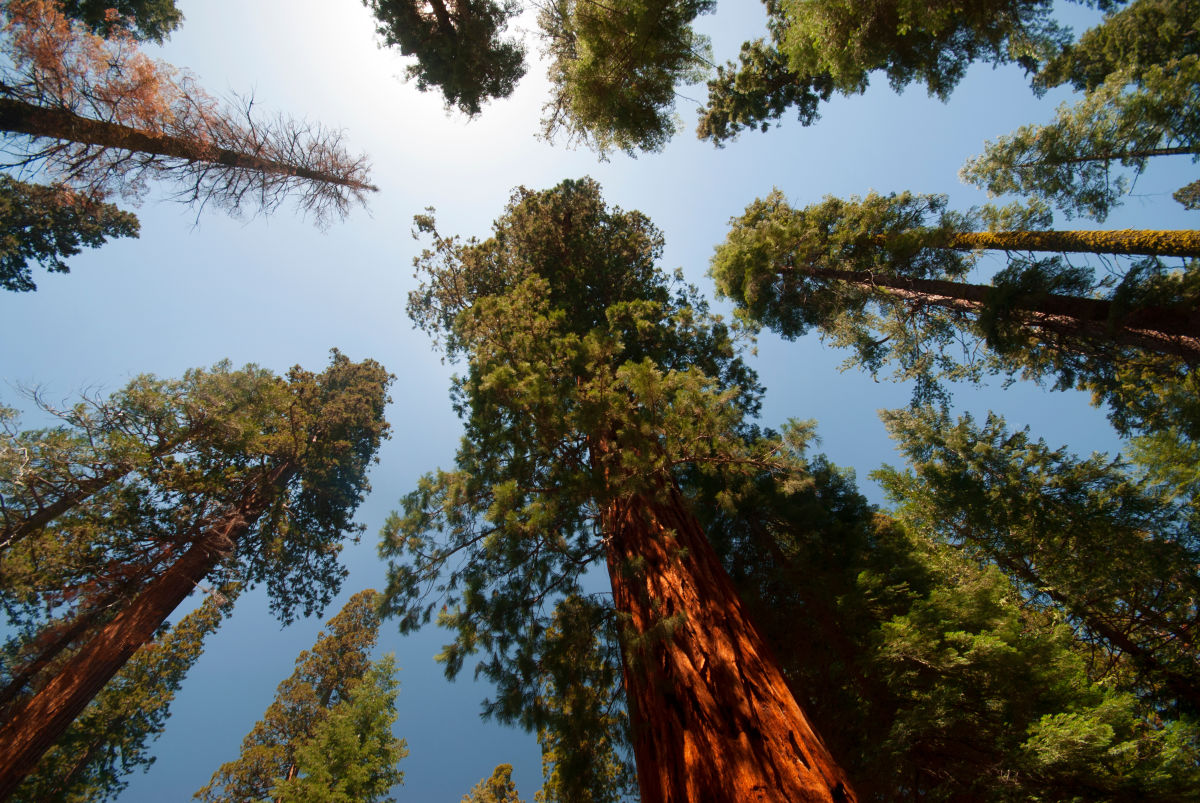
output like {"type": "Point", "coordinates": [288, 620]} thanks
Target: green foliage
{"type": "Point", "coordinates": [614, 66]}
{"type": "Point", "coordinates": [497, 789]}
{"type": "Point", "coordinates": [351, 755]}
{"type": "Point", "coordinates": [98, 507]}
{"type": "Point", "coordinates": [458, 47]}
{"type": "Point", "coordinates": [46, 224]}
{"type": "Point", "coordinates": [110, 739]}
{"type": "Point", "coordinates": [589, 375]}
{"type": "Point", "coordinates": [298, 737]}
{"type": "Point", "coordinates": [821, 46]}
{"type": "Point", "coordinates": [1070, 161]}
{"type": "Point", "coordinates": [959, 690]}
{"type": "Point", "coordinates": [1083, 537]}
{"type": "Point", "coordinates": [147, 19]}
{"type": "Point", "coordinates": [1146, 33]}
{"type": "Point", "coordinates": [828, 267]}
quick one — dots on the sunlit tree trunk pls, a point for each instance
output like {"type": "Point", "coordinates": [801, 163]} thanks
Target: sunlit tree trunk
{"type": "Point", "coordinates": [1135, 242]}
{"type": "Point", "coordinates": [713, 718]}
{"type": "Point", "coordinates": [36, 725]}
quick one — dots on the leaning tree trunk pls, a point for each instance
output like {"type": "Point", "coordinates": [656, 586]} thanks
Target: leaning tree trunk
{"type": "Point", "coordinates": [713, 719]}
{"type": "Point", "coordinates": [1166, 330]}
{"type": "Point", "coordinates": [1134, 242]}
{"type": "Point", "coordinates": [19, 117]}
{"type": "Point", "coordinates": [40, 722]}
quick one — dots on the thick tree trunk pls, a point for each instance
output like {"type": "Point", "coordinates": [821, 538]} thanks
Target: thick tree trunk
{"type": "Point", "coordinates": [1165, 330]}
{"type": "Point", "coordinates": [713, 719]}
{"type": "Point", "coordinates": [37, 121]}
{"type": "Point", "coordinates": [34, 728]}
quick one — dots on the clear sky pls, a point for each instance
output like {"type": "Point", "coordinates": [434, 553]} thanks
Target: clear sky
{"type": "Point", "coordinates": [277, 292]}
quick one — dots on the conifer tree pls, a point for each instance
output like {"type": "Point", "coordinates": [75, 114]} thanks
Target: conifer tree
{"type": "Point", "coordinates": [110, 739]}
{"type": "Point", "coordinates": [153, 20]}
{"type": "Point", "coordinates": [497, 789]}
{"type": "Point", "coordinates": [45, 224]}
{"type": "Point", "coordinates": [457, 46]}
{"type": "Point", "coordinates": [324, 682]}
{"type": "Point", "coordinates": [962, 691]}
{"type": "Point", "coordinates": [821, 46]}
{"type": "Point", "coordinates": [1082, 536]}
{"type": "Point", "coordinates": [100, 117]}
{"type": "Point", "coordinates": [268, 501]}
{"type": "Point", "coordinates": [884, 277]}
{"type": "Point", "coordinates": [592, 380]}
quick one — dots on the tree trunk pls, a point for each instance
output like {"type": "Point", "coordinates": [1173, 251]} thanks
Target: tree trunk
{"type": "Point", "coordinates": [1166, 330]}
{"type": "Point", "coordinates": [37, 121]}
{"type": "Point", "coordinates": [713, 719]}
{"type": "Point", "coordinates": [1143, 153]}
{"type": "Point", "coordinates": [35, 727]}
{"type": "Point", "coordinates": [1134, 242]}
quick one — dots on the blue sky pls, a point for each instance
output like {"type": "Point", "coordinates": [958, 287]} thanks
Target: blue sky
{"type": "Point", "coordinates": [277, 292]}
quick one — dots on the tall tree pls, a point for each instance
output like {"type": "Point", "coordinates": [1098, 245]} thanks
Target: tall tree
{"type": "Point", "coordinates": [325, 678]}
{"type": "Point", "coordinates": [819, 46]}
{"type": "Point", "coordinates": [109, 740]}
{"type": "Point", "coordinates": [962, 691]}
{"type": "Point", "coordinates": [1070, 161]}
{"type": "Point", "coordinates": [591, 380]}
{"type": "Point", "coordinates": [100, 117]}
{"type": "Point", "coordinates": [270, 504]}
{"type": "Point", "coordinates": [46, 224]}
{"type": "Point", "coordinates": [457, 45]}
{"type": "Point", "coordinates": [883, 276]}
{"type": "Point", "coordinates": [147, 19]}
{"type": "Point", "coordinates": [614, 66]}
{"type": "Point", "coordinates": [1083, 536]}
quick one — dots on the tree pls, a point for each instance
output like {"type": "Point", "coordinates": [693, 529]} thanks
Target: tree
{"type": "Point", "coordinates": [458, 47]}
{"type": "Point", "coordinates": [614, 66]}
{"type": "Point", "coordinates": [1143, 34]}
{"type": "Point", "coordinates": [1070, 161]}
{"type": "Point", "coordinates": [272, 503]}
{"type": "Point", "coordinates": [819, 46]}
{"type": "Point", "coordinates": [109, 740]}
{"type": "Point", "coordinates": [100, 117]}
{"type": "Point", "coordinates": [591, 379]}
{"type": "Point", "coordinates": [1080, 535]}
{"type": "Point", "coordinates": [46, 224]}
{"type": "Point", "coordinates": [497, 789]}
{"type": "Point", "coordinates": [961, 691]}
{"type": "Point", "coordinates": [303, 717]}
{"type": "Point", "coordinates": [883, 276]}
{"type": "Point", "coordinates": [153, 20]}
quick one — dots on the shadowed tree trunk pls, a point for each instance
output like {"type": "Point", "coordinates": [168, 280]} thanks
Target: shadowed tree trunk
{"type": "Point", "coordinates": [713, 718]}
{"type": "Point", "coordinates": [35, 727]}
{"type": "Point", "coordinates": [1167, 330]}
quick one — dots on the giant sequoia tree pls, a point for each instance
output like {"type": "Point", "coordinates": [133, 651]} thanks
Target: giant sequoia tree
{"type": "Point", "coordinates": [884, 276]}
{"type": "Point", "coordinates": [100, 117]}
{"type": "Point", "coordinates": [592, 381]}
{"type": "Point", "coordinates": [264, 493]}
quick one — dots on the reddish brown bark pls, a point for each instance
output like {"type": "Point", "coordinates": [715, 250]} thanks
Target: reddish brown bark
{"type": "Point", "coordinates": [1166, 330]}
{"type": "Point", "coordinates": [713, 718]}
{"type": "Point", "coordinates": [37, 121]}
{"type": "Point", "coordinates": [34, 728]}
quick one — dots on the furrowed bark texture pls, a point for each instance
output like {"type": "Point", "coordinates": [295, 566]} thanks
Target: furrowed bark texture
{"type": "Point", "coordinates": [713, 718]}
{"type": "Point", "coordinates": [1166, 330]}
{"type": "Point", "coordinates": [37, 725]}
